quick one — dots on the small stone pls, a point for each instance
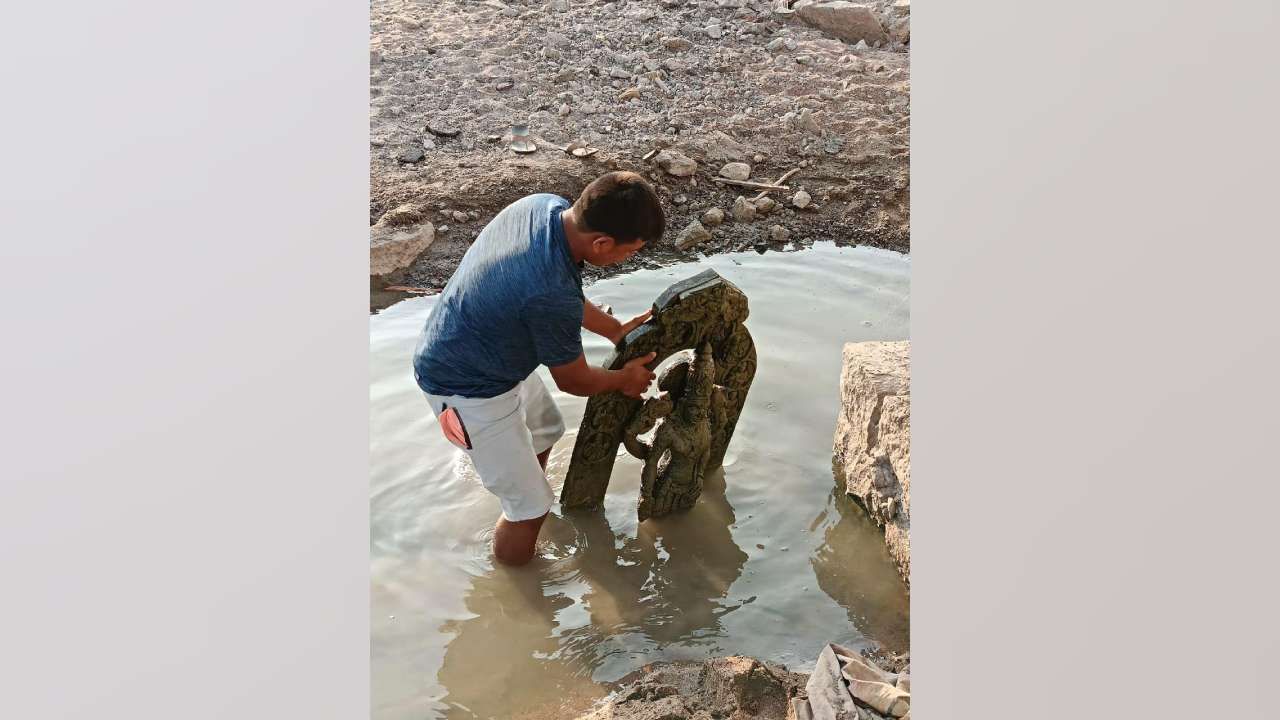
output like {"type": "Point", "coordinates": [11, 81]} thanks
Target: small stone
{"type": "Point", "coordinates": [442, 229]}
{"type": "Point", "coordinates": [801, 199]}
{"type": "Point", "coordinates": [632, 93]}
{"type": "Point", "coordinates": [441, 129]}
{"type": "Point", "coordinates": [675, 163]}
{"type": "Point", "coordinates": [743, 211]}
{"type": "Point", "coordinates": [680, 199]}
{"type": "Point", "coordinates": [758, 158]}
{"type": "Point", "coordinates": [736, 171]}
{"type": "Point", "coordinates": [459, 216]}
{"type": "Point", "coordinates": [713, 31]}
{"type": "Point", "coordinates": [550, 53]}
{"type": "Point", "coordinates": [564, 110]}
{"type": "Point", "coordinates": [713, 216]}
{"type": "Point", "coordinates": [779, 234]}
{"type": "Point", "coordinates": [407, 22]}
{"type": "Point", "coordinates": [862, 45]}
{"type": "Point", "coordinates": [776, 44]}
{"type": "Point", "coordinates": [804, 163]}
{"type": "Point", "coordinates": [693, 234]}
{"type": "Point", "coordinates": [802, 59]}
{"type": "Point", "coordinates": [504, 85]}
{"type": "Point", "coordinates": [806, 122]}
{"type": "Point", "coordinates": [619, 73]}
{"type": "Point", "coordinates": [676, 44]}
{"type": "Point", "coordinates": [428, 144]}
{"type": "Point", "coordinates": [473, 215]}
{"type": "Point", "coordinates": [412, 155]}
{"type": "Point", "coordinates": [766, 205]}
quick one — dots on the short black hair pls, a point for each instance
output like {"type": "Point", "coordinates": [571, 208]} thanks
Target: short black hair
{"type": "Point", "coordinates": [622, 205]}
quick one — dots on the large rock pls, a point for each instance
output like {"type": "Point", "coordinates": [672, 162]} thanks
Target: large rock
{"type": "Point", "coordinates": [393, 248]}
{"type": "Point", "coordinates": [693, 234]}
{"type": "Point", "coordinates": [848, 21]}
{"type": "Point", "coordinates": [873, 439]}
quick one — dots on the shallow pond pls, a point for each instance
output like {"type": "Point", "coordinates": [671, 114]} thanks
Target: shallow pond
{"type": "Point", "coordinates": [771, 562]}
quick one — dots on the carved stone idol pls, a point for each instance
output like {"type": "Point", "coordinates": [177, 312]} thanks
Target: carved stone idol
{"type": "Point", "coordinates": [695, 412]}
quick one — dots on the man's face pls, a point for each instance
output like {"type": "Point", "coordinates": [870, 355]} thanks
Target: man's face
{"type": "Point", "coordinates": [608, 252]}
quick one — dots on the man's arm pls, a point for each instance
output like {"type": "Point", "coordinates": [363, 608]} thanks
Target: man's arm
{"type": "Point", "coordinates": [579, 378]}
{"type": "Point", "coordinates": [606, 325]}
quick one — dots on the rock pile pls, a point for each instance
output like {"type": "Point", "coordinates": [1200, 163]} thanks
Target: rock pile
{"type": "Point", "coordinates": [704, 89]}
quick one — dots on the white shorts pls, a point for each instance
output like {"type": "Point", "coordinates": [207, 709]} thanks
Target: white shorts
{"type": "Point", "coordinates": [507, 433]}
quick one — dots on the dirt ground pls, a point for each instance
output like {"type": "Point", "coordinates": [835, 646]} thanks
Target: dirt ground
{"type": "Point", "coordinates": [715, 80]}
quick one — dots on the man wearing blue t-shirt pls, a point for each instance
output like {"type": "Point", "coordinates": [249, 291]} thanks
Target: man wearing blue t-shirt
{"type": "Point", "coordinates": [514, 303]}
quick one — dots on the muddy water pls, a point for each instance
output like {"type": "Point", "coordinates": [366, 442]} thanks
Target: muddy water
{"type": "Point", "coordinates": [770, 563]}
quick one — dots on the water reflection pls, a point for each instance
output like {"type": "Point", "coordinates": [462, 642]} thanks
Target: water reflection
{"type": "Point", "coordinates": [596, 599]}
{"type": "Point", "coordinates": [854, 568]}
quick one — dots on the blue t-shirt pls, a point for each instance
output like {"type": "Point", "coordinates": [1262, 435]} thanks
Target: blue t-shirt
{"type": "Point", "coordinates": [515, 302]}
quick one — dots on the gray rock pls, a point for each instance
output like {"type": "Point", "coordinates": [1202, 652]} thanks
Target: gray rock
{"type": "Point", "coordinates": [779, 234]}
{"type": "Point", "coordinates": [693, 234]}
{"type": "Point", "coordinates": [714, 32]}
{"type": "Point", "coordinates": [806, 122]}
{"type": "Point", "coordinates": [736, 171]}
{"type": "Point", "coordinates": [766, 205]}
{"type": "Point", "coordinates": [675, 163]}
{"type": "Point", "coordinates": [459, 216]}
{"type": "Point", "coordinates": [743, 211]}
{"type": "Point", "coordinates": [676, 44]}
{"type": "Point", "coordinates": [713, 216]}
{"type": "Point", "coordinates": [412, 155]}
{"type": "Point", "coordinates": [801, 199]}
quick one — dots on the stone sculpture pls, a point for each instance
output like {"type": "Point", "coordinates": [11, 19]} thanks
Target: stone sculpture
{"type": "Point", "coordinates": [695, 412]}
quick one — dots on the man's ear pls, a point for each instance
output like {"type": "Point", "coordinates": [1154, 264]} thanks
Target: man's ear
{"type": "Point", "coordinates": [604, 243]}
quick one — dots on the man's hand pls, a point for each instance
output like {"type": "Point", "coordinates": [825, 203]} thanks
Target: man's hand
{"type": "Point", "coordinates": [630, 325]}
{"type": "Point", "coordinates": [636, 377]}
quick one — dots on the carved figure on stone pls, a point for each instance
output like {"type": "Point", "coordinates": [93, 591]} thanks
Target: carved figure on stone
{"type": "Point", "coordinates": [690, 405]}
{"type": "Point", "coordinates": [696, 411]}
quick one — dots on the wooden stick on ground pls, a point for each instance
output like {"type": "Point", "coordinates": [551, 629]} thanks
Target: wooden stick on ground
{"type": "Point", "coordinates": [779, 181]}
{"type": "Point", "coordinates": [749, 184]}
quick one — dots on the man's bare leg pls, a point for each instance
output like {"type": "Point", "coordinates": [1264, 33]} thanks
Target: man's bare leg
{"type": "Point", "coordinates": [514, 542]}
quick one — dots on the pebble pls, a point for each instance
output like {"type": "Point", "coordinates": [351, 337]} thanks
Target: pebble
{"type": "Point", "coordinates": [504, 85]}
{"type": "Point", "coordinates": [442, 229]}
{"type": "Point", "coordinates": [693, 234]}
{"type": "Point", "coordinates": [779, 234]}
{"type": "Point", "coordinates": [619, 73]}
{"type": "Point", "coordinates": [713, 216]}
{"type": "Point", "coordinates": [766, 204]}
{"type": "Point", "coordinates": [758, 158]}
{"type": "Point", "coordinates": [801, 199]}
{"type": "Point", "coordinates": [676, 44]}
{"type": "Point", "coordinates": [459, 216]}
{"type": "Point", "coordinates": [743, 211]}
{"type": "Point", "coordinates": [680, 199]}
{"type": "Point", "coordinates": [564, 110]}
{"type": "Point", "coordinates": [714, 32]}
{"type": "Point", "coordinates": [629, 94]}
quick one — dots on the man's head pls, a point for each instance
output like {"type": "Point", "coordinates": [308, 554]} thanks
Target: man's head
{"type": "Point", "coordinates": [616, 215]}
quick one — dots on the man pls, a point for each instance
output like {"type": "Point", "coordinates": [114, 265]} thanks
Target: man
{"type": "Point", "coordinates": [514, 303]}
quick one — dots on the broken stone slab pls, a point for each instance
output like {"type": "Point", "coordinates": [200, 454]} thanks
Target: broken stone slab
{"type": "Point", "coordinates": [676, 163]}
{"type": "Point", "coordinates": [693, 234]}
{"type": "Point", "coordinates": [393, 248]}
{"type": "Point", "coordinates": [872, 446]}
{"type": "Point", "coordinates": [848, 21]}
